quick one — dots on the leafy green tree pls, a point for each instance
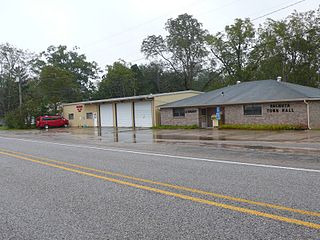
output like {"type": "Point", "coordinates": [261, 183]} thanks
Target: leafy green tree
{"type": "Point", "coordinates": [152, 78]}
{"type": "Point", "coordinates": [152, 73]}
{"type": "Point", "coordinates": [15, 64]}
{"type": "Point", "coordinates": [84, 72]}
{"type": "Point", "coordinates": [183, 50]}
{"type": "Point", "coordinates": [291, 48]}
{"type": "Point", "coordinates": [56, 86]}
{"type": "Point", "coordinates": [233, 49]}
{"type": "Point", "coordinates": [120, 81]}
{"type": "Point", "coordinates": [34, 104]}
{"type": "Point", "coordinates": [148, 78]}
{"type": "Point", "coordinates": [209, 80]}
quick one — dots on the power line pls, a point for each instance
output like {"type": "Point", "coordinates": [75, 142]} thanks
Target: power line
{"type": "Point", "coordinates": [152, 20]}
{"type": "Point", "coordinates": [267, 14]}
{"type": "Point", "coordinates": [137, 60]}
{"type": "Point", "coordinates": [227, 4]}
{"type": "Point", "coordinates": [137, 26]}
{"type": "Point", "coordinates": [278, 10]}
{"type": "Point", "coordinates": [218, 8]}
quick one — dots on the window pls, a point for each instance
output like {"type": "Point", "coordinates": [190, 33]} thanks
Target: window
{"type": "Point", "coordinates": [203, 111]}
{"type": "Point", "coordinates": [178, 112]}
{"type": "Point", "coordinates": [70, 116]}
{"type": "Point", "coordinates": [89, 115]}
{"type": "Point", "coordinates": [252, 109]}
{"type": "Point", "coordinates": [51, 118]}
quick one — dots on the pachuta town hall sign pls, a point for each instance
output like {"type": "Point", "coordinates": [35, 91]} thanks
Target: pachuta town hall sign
{"type": "Point", "coordinates": [279, 107]}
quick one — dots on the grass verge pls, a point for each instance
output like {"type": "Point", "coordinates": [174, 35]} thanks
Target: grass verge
{"type": "Point", "coordinates": [263, 127]}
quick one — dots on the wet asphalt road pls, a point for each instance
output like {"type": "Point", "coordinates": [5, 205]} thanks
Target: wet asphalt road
{"type": "Point", "coordinates": [87, 188]}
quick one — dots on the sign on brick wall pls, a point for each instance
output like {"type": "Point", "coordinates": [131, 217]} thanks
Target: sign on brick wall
{"type": "Point", "coordinates": [279, 108]}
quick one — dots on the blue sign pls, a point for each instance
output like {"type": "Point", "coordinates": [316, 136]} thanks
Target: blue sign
{"type": "Point", "coordinates": [218, 115]}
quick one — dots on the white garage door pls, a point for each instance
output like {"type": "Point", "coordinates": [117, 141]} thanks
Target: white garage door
{"type": "Point", "coordinates": [143, 114]}
{"type": "Point", "coordinates": [106, 115]}
{"type": "Point", "coordinates": [124, 114]}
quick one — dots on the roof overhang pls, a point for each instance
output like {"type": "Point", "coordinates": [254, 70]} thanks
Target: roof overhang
{"type": "Point", "coordinates": [241, 103]}
{"type": "Point", "coordinates": [132, 98]}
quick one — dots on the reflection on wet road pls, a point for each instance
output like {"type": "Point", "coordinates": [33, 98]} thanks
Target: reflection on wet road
{"type": "Point", "coordinates": [291, 141]}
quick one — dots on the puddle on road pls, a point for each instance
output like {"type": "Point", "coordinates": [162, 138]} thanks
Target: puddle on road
{"type": "Point", "coordinates": [187, 137]}
{"type": "Point", "coordinates": [217, 138]}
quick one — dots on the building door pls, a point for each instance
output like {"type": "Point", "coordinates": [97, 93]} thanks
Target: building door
{"type": "Point", "coordinates": [143, 114]}
{"type": "Point", "coordinates": [106, 115]}
{"type": "Point", "coordinates": [124, 114]}
{"type": "Point", "coordinates": [203, 118]}
{"type": "Point", "coordinates": [210, 111]}
{"type": "Point", "coordinates": [95, 119]}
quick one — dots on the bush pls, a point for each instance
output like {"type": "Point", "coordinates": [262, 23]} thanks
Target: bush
{"type": "Point", "coordinates": [15, 119]}
{"type": "Point", "coordinates": [263, 127]}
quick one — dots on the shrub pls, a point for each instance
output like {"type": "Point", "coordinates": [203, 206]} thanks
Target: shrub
{"type": "Point", "coordinates": [18, 120]}
{"type": "Point", "coordinates": [264, 126]}
{"type": "Point", "coordinates": [14, 119]}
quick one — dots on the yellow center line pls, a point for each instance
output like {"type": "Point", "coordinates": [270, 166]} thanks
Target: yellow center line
{"type": "Point", "coordinates": [177, 195]}
{"type": "Point", "coordinates": [262, 204]}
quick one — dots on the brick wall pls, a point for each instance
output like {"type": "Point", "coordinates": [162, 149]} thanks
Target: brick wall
{"type": "Point", "coordinates": [314, 107]}
{"type": "Point", "coordinates": [191, 117]}
{"type": "Point", "coordinates": [234, 114]}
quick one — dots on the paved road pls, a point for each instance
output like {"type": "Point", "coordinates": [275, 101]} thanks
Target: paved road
{"type": "Point", "coordinates": [65, 189]}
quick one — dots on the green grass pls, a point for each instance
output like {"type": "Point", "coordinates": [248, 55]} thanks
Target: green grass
{"type": "Point", "coordinates": [263, 127]}
{"type": "Point", "coordinates": [176, 127]}
{"type": "Point", "coordinates": [7, 128]}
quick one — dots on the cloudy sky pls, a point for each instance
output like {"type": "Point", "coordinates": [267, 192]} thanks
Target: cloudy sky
{"type": "Point", "coordinates": [110, 30]}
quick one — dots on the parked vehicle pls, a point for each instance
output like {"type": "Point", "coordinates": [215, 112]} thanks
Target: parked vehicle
{"type": "Point", "coordinates": [51, 121]}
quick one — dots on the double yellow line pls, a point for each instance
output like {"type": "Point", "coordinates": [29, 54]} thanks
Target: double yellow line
{"type": "Point", "coordinates": [66, 166]}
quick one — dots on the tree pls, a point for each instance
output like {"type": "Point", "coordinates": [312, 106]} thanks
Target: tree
{"type": "Point", "coordinates": [292, 48]}
{"type": "Point", "coordinates": [120, 81]}
{"type": "Point", "coordinates": [148, 78]}
{"type": "Point", "coordinates": [56, 86]}
{"type": "Point", "coordinates": [14, 63]}
{"type": "Point", "coordinates": [83, 71]}
{"type": "Point", "coordinates": [183, 50]}
{"type": "Point", "coordinates": [233, 50]}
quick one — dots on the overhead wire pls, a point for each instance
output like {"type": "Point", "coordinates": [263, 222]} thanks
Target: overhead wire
{"type": "Point", "coordinates": [264, 15]}
{"type": "Point", "coordinates": [161, 16]}
{"type": "Point", "coordinates": [154, 19]}
{"type": "Point", "coordinates": [138, 25]}
{"type": "Point", "coordinates": [277, 10]}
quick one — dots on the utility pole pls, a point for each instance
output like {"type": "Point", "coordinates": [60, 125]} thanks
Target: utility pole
{"type": "Point", "coordinates": [318, 75]}
{"type": "Point", "coordinates": [18, 79]}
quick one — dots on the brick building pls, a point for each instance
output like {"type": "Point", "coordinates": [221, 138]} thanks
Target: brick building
{"type": "Point", "coordinates": [265, 102]}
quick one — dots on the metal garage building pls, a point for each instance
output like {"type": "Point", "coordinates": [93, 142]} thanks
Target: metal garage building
{"type": "Point", "coordinates": [135, 111]}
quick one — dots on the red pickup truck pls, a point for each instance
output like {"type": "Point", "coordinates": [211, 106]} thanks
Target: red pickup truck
{"type": "Point", "coordinates": [51, 121]}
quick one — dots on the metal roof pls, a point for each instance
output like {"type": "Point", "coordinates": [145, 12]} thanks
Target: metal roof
{"type": "Point", "coordinates": [141, 97]}
{"type": "Point", "coordinates": [250, 92]}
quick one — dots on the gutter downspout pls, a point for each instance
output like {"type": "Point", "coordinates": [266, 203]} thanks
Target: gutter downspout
{"type": "Point", "coordinates": [308, 113]}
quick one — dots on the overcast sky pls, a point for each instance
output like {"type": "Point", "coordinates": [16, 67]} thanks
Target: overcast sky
{"type": "Point", "coordinates": [107, 30]}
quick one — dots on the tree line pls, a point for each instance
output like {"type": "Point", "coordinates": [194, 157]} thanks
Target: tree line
{"type": "Point", "coordinates": [188, 57]}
